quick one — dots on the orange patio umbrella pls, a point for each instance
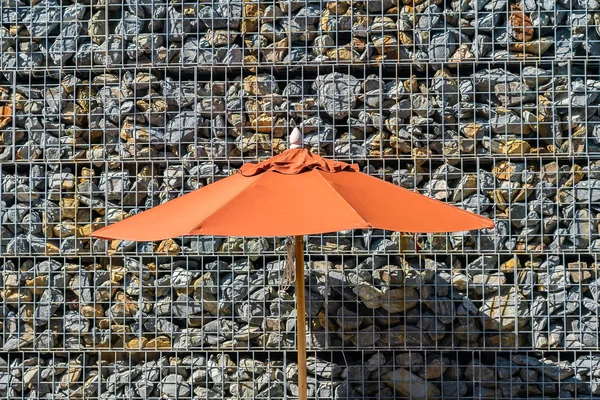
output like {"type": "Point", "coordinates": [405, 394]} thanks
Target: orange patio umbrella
{"type": "Point", "coordinates": [295, 193]}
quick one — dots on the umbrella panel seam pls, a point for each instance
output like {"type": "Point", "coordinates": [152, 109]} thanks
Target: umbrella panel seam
{"type": "Point", "coordinates": [366, 224]}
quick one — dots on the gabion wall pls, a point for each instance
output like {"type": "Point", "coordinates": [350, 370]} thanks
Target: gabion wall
{"type": "Point", "coordinates": [109, 108]}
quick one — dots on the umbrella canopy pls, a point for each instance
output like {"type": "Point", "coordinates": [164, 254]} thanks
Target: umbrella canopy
{"type": "Point", "coordinates": [294, 193]}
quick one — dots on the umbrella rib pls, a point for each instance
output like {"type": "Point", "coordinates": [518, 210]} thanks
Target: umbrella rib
{"type": "Point", "coordinates": [224, 205]}
{"type": "Point", "coordinates": [366, 224]}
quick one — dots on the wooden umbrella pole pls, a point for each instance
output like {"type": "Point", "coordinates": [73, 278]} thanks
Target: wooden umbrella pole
{"type": "Point", "coordinates": [301, 319]}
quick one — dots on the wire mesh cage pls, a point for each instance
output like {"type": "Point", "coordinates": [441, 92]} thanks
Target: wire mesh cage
{"type": "Point", "coordinates": [90, 148]}
{"type": "Point", "coordinates": [356, 375]}
{"type": "Point", "coordinates": [110, 108]}
{"type": "Point", "coordinates": [49, 34]}
{"type": "Point", "coordinates": [354, 303]}
{"type": "Point", "coordinates": [483, 110]}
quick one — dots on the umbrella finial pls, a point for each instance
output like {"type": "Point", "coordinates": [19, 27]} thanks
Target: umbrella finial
{"type": "Point", "coordinates": [296, 139]}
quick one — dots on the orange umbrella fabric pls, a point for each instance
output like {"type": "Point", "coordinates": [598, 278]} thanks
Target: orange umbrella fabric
{"type": "Point", "coordinates": [294, 193]}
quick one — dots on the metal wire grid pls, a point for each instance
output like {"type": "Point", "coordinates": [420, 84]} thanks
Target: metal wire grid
{"type": "Point", "coordinates": [485, 110]}
{"type": "Point", "coordinates": [49, 35]}
{"type": "Point", "coordinates": [539, 205]}
{"type": "Point", "coordinates": [354, 303]}
{"type": "Point", "coordinates": [537, 179]}
{"type": "Point", "coordinates": [96, 116]}
{"type": "Point", "coordinates": [356, 375]}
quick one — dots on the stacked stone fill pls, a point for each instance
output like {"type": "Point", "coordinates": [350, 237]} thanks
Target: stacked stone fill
{"type": "Point", "coordinates": [109, 108]}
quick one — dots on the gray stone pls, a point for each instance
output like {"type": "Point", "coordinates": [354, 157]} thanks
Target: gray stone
{"type": "Point", "coordinates": [82, 287]}
{"type": "Point", "coordinates": [42, 18]}
{"type": "Point", "coordinates": [204, 244]}
{"type": "Point", "coordinates": [65, 44]}
{"type": "Point", "coordinates": [453, 390]}
{"type": "Point", "coordinates": [337, 93]}
{"type": "Point", "coordinates": [185, 306]}
{"type": "Point", "coordinates": [50, 301]}
{"type": "Point", "coordinates": [322, 368]}
{"type": "Point", "coordinates": [110, 53]}
{"type": "Point", "coordinates": [130, 26]}
{"type": "Point", "coordinates": [174, 386]}
{"type": "Point", "coordinates": [114, 184]}
{"type": "Point", "coordinates": [487, 22]}
{"type": "Point", "coordinates": [208, 16]}
{"type": "Point", "coordinates": [184, 127]}
{"type": "Point", "coordinates": [442, 46]}
{"type": "Point", "coordinates": [556, 371]}
{"type": "Point", "coordinates": [483, 264]}
{"type": "Point", "coordinates": [588, 190]}
{"type": "Point", "coordinates": [182, 278]}
{"type": "Point", "coordinates": [480, 373]}
{"type": "Point", "coordinates": [75, 323]}
{"type": "Point", "coordinates": [196, 51]}
{"type": "Point", "coordinates": [585, 365]}
{"type": "Point", "coordinates": [408, 384]}
{"type": "Point", "coordinates": [430, 19]}
{"type": "Point", "coordinates": [348, 320]}
{"type": "Point", "coordinates": [230, 10]}
{"type": "Point", "coordinates": [508, 123]}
